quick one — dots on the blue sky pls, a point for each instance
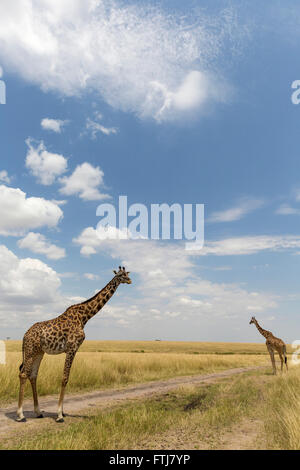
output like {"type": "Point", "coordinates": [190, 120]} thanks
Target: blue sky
{"type": "Point", "coordinates": [164, 102]}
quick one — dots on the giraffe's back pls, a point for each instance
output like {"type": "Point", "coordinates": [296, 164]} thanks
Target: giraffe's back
{"type": "Point", "coordinates": [45, 337]}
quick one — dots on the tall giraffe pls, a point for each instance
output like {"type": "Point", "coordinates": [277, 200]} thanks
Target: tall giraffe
{"type": "Point", "coordinates": [63, 334]}
{"type": "Point", "coordinates": [273, 344]}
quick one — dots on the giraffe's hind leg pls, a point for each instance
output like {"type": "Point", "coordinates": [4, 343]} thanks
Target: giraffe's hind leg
{"type": "Point", "coordinates": [281, 360]}
{"type": "Point", "coordinates": [20, 415]}
{"type": "Point", "coordinates": [25, 369]}
{"type": "Point", "coordinates": [33, 376]}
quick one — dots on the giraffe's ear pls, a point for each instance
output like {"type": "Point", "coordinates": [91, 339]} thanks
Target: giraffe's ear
{"type": "Point", "coordinates": [115, 272]}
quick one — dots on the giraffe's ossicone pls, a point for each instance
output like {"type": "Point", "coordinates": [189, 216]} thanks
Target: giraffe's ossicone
{"type": "Point", "coordinates": [63, 334]}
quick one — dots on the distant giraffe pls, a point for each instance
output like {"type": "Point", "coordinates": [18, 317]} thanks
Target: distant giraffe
{"type": "Point", "coordinates": [273, 344]}
{"type": "Point", "coordinates": [63, 334]}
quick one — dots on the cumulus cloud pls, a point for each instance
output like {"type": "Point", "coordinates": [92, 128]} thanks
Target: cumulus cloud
{"type": "Point", "coordinates": [19, 213]}
{"type": "Point", "coordinates": [4, 177]}
{"type": "Point", "coordinates": [25, 278]}
{"type": "Point", "coordinates": [44, 165]}
{"type": "Point", "coordinates": [174, 259]}
{"type": "Point", "coordinates": [139, 58]}
{"type": "Point", "coordinates": [29, 290]}
{"type": "Point", "coordinates": [37, 243]}
{"type": "Point", "coordinates": [196, 89]}
{"type": "Point", "coordinates": [85, 182]}
{"type": "Point", "coordinates": [55, 125]}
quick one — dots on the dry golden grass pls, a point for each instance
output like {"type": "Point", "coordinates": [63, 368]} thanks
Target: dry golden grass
{"type": "Point", "coordinates": [99, 370]}
{"type": "Point", "coordinates": [282, 412]}
{"type": "Point", "coordinates": [182, 347]}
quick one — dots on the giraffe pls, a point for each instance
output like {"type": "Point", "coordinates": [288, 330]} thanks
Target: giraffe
{"type": "Point", "coordinates": [273, 344]}
{"type": "Point", "coordinates": [63, 334]}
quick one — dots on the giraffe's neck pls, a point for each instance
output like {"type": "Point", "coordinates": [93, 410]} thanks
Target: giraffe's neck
{"type": "Point", "coordinates": [93, 305]}
{"type": "Point", "coordinates": [263, 332]}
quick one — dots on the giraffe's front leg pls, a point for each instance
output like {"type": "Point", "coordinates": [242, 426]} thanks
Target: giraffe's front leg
{"type": "Point", "coordinates": [68, 363]}
{"type": "Point", "coordinates": [271, 352]}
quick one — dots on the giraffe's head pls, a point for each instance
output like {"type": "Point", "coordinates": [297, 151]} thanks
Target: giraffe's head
{"type": "Point", "coordinates": [252, 320]}
{"type": "Point", "coordinates": [122, 275]}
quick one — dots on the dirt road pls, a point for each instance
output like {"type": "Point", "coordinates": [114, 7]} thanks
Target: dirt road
{"type": "Point", "coordinates": [103, 399]}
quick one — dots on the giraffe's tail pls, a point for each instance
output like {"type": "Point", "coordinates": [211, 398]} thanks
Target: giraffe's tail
{"type": "Point", "coordinates": [21, 366]}
{"type": "Point", "coordinates": [284, 353]}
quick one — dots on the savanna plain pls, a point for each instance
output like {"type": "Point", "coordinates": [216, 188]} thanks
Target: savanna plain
{"type": "Point", "coordinates": [250, 410]}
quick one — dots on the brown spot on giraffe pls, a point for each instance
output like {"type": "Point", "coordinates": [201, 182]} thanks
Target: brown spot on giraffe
{"type": "Point", "coordinates": [63, 334]}
{"type": "Point", "coordinates": [273, 344]}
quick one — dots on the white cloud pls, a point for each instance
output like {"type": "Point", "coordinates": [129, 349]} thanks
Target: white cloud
{"type": "Point", "coordinates": [93, 240]}
{"type": "Point", "coordinates": [85, 182]}
{"type": "Point", "coordinates": [224, 299]}
{"type": "Point", "coordinates": [285, 209]}
{"type": "Point", "coordinates": [25, 278]}
{"type": "Point", "coordinates": [19, 213]}
{"type": "Point", "coordinates": [236, 213]}
{"type": "Point", "coordinates": [196, 89]}
{"type": "Point", "coordinates": [175, 260]}
{"type": "Point", "coordinates": [296, 194]}
{"type": "Point", "coordinates": [94, 127]}
{"type": "Point", "coordinates": [91, 276]}
{"type": "Point", "coordinates": [139, 58]}
{"type": "Point", "coordinates": [59, 202]}
{"type": "Point", "coordinates": [169, 283]}
{"type": "Point", "coordinates": [67, 275]}
{"type": "Point", "coordinates": [166, 287]}
{"type": "Point", "coordinates": [29, 290]}
{"type": "Point", "coordinates": [37, 243]}
{"type": "Point", "coordinates": [44, 165]}
{"type": "Point", "coordinates": [54, 125]}
{"type": "Point", "coordinates": [4, 177]}
{"type": "Point", "coordinates": [250, 245]}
